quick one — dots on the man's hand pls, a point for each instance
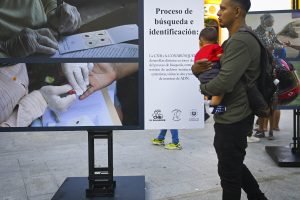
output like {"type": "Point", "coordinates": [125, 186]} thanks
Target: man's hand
{"type": "Point", "coordinates": [201, 66]}
{"type": "Point", "coordinates": [29, 42]}
{"type": "Point", "coordinates": [67, 21]}
{"type": "Point", "coordinates": [102, 75]}
{"type": "Point", "coordinates": [56, 99]}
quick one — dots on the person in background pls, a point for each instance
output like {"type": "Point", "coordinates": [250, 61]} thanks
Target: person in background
{"type": "Point", "coordinates": [241, 58]}
{"type": "Point", "coordinates": [160, 140]}
{"type": "Point", "coordinates": [267, 36]}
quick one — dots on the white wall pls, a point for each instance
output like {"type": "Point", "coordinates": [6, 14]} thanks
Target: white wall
{"type": "Point", "coordinates": [258, 5]}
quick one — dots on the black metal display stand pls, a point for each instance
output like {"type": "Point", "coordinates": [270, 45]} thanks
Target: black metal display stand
{"type": "Point", "coordinates": [101, 181]}
{"type": "Point", "coordinates": [288, 156]}
{"type": "Point", "coordinates": [101, 184]}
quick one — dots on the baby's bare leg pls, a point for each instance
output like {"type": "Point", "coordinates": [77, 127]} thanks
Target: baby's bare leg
{"type": "Point", "coordinates": [216, 100]}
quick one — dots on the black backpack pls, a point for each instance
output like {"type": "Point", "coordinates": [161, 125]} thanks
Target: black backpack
{"type": "Point", "coordinates": [261, 96]}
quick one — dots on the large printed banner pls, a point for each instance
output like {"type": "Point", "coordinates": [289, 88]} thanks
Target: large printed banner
{"type": "Point", "coordinates": [171, 31]}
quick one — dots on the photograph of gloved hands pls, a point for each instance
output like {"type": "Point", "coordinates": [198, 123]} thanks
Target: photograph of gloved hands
{"type": "Point", "coordinates": [77, 75]}
{"type": "Point", "coordinates": [21, 107]}
{"type": "Point", "coordinates": [86, 78]}
{"type": "Point", "coordinates": [26, 29]}
{"type": "Point", "coordinates": [54, 28]}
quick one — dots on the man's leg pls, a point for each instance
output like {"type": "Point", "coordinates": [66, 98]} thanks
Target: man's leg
{"type": "Point", "coordinates": [230, 143]}
{"type": "Point", "coordinates": [230, 151]}
{"type": "Point", "coordinates": [250, 185]}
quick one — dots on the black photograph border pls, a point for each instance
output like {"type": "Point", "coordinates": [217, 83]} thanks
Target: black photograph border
{"type": "Point", "coordinates": [139, 60]}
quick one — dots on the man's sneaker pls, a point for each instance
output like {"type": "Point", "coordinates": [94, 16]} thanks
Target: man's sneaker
{"type": "Point", "coordinates": [259, 134]}
{"type": "Point", "coordinates": [172, 146]}
{"type": "Point", "coordinates": [252, 139]}
{"type": "Point", "coordinates": [158, 141]}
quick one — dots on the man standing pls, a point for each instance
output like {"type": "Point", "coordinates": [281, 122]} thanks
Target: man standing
{"type": "Point", "coordinates": [239, 67]}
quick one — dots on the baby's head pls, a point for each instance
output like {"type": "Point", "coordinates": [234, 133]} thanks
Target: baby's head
{"type": "Point", "coordinates": [208, 35]}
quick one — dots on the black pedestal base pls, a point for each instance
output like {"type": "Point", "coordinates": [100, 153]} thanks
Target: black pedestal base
{"type": "Point", "coordinates": [127, 188]}
{"type": "Point", "coordinates": [283, 156]}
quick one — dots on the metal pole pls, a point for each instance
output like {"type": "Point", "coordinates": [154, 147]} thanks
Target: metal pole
{"type": "Point", "coordinates": [91, 157]}
{"type": "Point", "coordinates": [296, 131]}
{"type": "Point", "coordinates": [110, 157]}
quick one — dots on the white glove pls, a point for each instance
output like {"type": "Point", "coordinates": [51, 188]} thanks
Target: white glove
{"type": "Point", "coordinates": [69, 19]}
{"type": "Point", "coordinates": [54, 96]}
{"type": "Point", "coordinates": [77, 75]}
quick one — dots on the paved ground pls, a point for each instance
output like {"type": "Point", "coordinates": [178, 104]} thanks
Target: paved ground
{"type": "Point", "coordinates": [34, 165]}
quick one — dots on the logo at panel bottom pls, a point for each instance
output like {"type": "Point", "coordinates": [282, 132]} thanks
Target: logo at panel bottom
{"type": "Point", "coordinates": [194, 115]}
{"type": "Point", "coordinates": [157, 116]}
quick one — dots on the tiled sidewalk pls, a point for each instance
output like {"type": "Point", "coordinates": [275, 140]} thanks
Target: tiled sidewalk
{"type": "Point", "coordinates": [34, 165]}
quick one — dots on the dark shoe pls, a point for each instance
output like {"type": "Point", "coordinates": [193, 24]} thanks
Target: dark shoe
{"type": "Point", "coordinates": [271, 137]}
{"type": "Point", "coordinates": [259, 134]}
{"type": "Point", "coordinates": [257, 129]}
